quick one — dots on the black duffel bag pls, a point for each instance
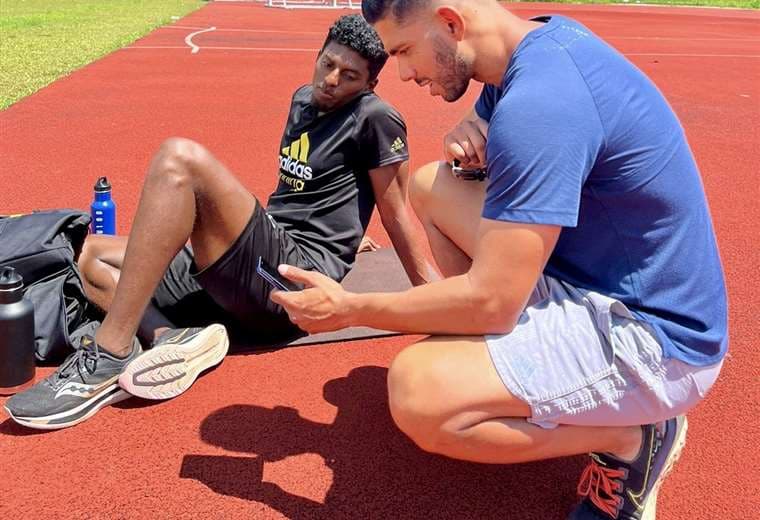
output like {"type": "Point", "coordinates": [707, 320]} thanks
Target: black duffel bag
{"type": "Point", "coordinates": [43, 247]}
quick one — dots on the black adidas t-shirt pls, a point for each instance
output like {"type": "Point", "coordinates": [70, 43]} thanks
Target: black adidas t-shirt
{"type": "Point", "coordinates": [324, 197]}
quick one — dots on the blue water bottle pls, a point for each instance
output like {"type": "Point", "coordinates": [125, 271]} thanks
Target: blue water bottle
{"type": "Point", "coordinates": [103, 209]}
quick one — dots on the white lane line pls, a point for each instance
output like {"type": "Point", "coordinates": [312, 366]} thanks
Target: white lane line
{"type": "Point", "coordinates": [692, 55]}
{"type": "Point", "coordinates": [276, 31]}
{"type": "Point", "coordinates": [297, 49]}
{"type": "Point", "coordinates": [603, 36]}
{"type": "Point", "coordinates": [668, 38]}
{"type": "Point", "coordinates": [274, 49]}
{"type": "Point", "coordinates": [189, 39]}
{"type": "Point", "coordinates": [180, 27]}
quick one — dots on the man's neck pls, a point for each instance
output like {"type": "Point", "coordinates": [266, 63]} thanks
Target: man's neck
{"type": "Point", "coordinates": [321, 112]}
{"type": "Point", "coordinates": [497, 43]}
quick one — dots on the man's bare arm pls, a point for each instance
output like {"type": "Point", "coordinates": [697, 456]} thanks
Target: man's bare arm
{"type": "Point", "coordinates": [488, 299]}
{"type": "Point", "coordinates": [390, 187]}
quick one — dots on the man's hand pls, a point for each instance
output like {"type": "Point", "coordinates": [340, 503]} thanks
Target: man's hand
{"type": "Point", "coordinates": [322, 305]}
{"type": "Point", "coordinates": [467, 143]}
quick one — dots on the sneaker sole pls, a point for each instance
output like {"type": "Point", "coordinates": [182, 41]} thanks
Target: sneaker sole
{"type": "Point", "coordinates": [650, 507]}
{"type": "Point", "coordinates": [111, 395]}
{"type": "Point", "coordinates": [166, 371]}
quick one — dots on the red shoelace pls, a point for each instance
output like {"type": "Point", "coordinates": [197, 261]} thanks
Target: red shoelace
{"type": "Point", "coordinates": [600, 484]}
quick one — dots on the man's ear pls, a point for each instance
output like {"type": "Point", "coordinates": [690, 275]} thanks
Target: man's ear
{"type": "Point", "coordinates": [453, 21]}
{"type": "Point", "coordinates": [371, 84]}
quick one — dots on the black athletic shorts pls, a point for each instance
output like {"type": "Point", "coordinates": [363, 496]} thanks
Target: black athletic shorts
{"type": "Point", "coordinates": [229, 291]}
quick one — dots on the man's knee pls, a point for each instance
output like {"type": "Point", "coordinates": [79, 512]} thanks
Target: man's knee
{"type": "Point", "coordinates": [421, 187]}
{"type": "Point", "coordinates": [89, 255]}
{"type": "Point", "coordinates": [181, 160]}
{"type": "Point", "coordinates": [416, 386]}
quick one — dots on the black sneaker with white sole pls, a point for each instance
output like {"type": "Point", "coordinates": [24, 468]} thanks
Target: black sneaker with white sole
{"type": "Point", "coordinates": [177, 358]}
{"type": "Point", "coordinates": [613, 489]}
{"type": "Point", "coordinates": [84, 383]}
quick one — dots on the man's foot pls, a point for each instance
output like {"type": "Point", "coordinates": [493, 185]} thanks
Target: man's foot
{"type": "Point", "coordinates": [614, 489]}
{"type": "Point", "coordinates": [85, 382]}
{"type": "Point", "coordinates": [174, 362]}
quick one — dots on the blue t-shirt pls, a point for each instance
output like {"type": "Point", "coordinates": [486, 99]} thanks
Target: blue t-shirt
{"type": "Point", "coordinates": [578, 137]}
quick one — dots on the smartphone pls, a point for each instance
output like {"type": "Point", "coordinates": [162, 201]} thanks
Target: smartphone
{"type": "Point", "coordinates": [475, 174]}
{"type": "Point", "coordinates": [273, 278]}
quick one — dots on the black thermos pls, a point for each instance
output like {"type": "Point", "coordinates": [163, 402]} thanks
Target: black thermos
{"type": "Point", "coordinates": [17, 365]}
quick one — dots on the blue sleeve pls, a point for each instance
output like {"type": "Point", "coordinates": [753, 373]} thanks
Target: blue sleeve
{"type": "Point", "coordinates": [487, 101]}
{"type": "Point", "coordinates": [543, 139]}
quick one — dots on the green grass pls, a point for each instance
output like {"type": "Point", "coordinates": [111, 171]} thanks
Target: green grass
{"type": "Point", "coordinates": [42, 40]}
{"type": "Point", "coordinates": [745, 4]}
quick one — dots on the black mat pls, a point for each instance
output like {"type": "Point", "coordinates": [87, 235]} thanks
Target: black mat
{"type": "Point", "coordinates": [375, 271]}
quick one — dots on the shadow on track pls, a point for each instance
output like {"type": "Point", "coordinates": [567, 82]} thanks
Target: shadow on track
{"type": "Point", "coordinates": [377, 471]}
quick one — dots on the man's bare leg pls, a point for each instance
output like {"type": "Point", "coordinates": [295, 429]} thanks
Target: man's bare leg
{"type": "Point", "coordinates": [187, 194]}
{"type": "Point", "coordinates": [450, 217]}
{"type": "Point", "coordinates": [446, 395]}
{"type": "Point", "coordinates": [100, 264]}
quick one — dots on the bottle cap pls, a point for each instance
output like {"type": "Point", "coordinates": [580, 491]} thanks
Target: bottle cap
{"type": "Point", "coordinates": [10, 280]}
{"type": "Point", "coordinates": [102, 185]}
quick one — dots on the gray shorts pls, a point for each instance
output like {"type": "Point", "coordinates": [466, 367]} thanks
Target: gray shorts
{"type": "Point", "coordinates": [579, 357]}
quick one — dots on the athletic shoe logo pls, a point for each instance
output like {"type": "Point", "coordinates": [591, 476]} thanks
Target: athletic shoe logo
{"type": "Point", "coordinates": [397, 145]}
{"type": "Point", "coordinates": [636, 498]}
{"type": "Point", "coordinates": [175, 339]}
{"type": "Point", "coordinates": [82, 389]}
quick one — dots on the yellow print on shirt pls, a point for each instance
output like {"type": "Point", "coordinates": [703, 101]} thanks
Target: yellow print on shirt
{"type": "Point", "coordinates": [293, 161]}
{"type": "Point", "coordinates": [296, 184]}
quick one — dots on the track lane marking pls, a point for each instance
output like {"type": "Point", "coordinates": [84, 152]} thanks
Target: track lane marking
{"type": "Point", "coordinates": [299, 49]}
{"type": "Point", "coordinates": [684, 55]}
{"type": "Point", "coordinates": [277, 31]}
{"type": "Point", "coordinates": [604, 37]}
{"type": "Point", "coordinates": [189, 39]}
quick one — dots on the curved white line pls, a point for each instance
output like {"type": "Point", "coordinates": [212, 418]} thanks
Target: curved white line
{"type": "Point", "coordinates": [189, 39]}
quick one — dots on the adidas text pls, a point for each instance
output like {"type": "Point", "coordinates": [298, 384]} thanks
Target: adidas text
{"type": "Point", "coordinates": [293, 167]}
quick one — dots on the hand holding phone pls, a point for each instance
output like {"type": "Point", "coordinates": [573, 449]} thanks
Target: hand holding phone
{"type": "Point", "coordinates": [322, 305]}
{"type": "Point", "coordinates": [273, 278]}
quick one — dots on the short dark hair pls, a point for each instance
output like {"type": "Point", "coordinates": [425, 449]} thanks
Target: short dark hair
{"type": "Point", "coordinates": [376, 10]}
{"type": "Point", "coordinates": [354, 32]}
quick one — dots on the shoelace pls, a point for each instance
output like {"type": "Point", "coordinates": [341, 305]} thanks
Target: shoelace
{"type": "Point", "coordinates": [79, 361]}
{"type": "Point", "coordinates": [600, 485]}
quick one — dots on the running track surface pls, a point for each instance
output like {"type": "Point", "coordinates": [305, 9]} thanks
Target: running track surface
{"type": "Point", "coordinates": [305, 432]}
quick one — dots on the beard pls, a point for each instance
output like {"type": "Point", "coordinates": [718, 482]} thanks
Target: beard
{"type": "Point", "coordinates": [455, 71]}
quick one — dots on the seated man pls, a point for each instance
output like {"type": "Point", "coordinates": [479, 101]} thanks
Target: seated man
{"type": "Point", "coordinates": [343, 149]}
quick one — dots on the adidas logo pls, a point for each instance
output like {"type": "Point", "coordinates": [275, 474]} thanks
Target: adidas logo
{"type": "Point", "coordinates": [293, 158]}
{"type": "Point", "coordinates": [397, 145]}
